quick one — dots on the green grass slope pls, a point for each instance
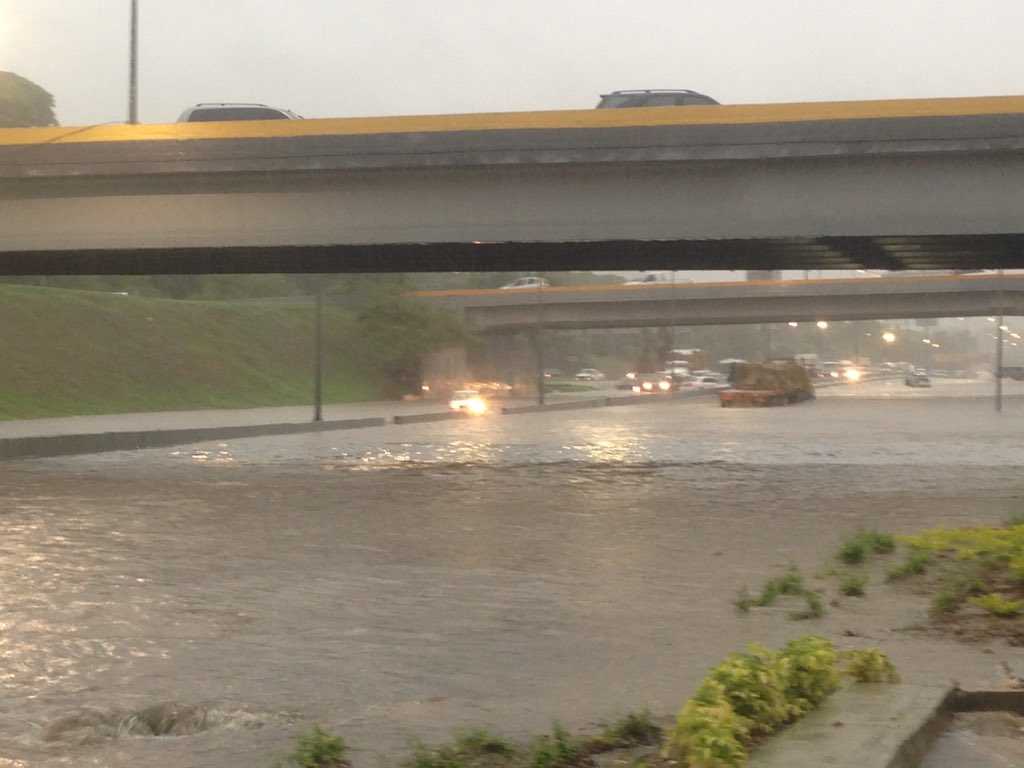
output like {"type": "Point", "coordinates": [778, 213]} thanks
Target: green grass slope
{"type": "Point", "coordinates": [66, 353]}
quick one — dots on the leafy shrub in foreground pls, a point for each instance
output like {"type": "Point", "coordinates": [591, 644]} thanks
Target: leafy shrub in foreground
{"type": "Point", "coordinates": [998, 605]}
{"type": "Point", "coordinates": [869, 665]}
{"type": "Point", "coordinates": [754, 693]}
{"type": "Point", "coordinates": [317, 748]}
{"type": "Point", "coordinates": [810, 672]}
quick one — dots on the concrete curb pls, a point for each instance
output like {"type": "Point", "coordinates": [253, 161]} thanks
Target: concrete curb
{"type": "Point", "coordinates": [63, 445]}
{"type": "Point", "coordinates": [48, 446]}
{"type": "Point", "coordinates": [570, 405]}
{"type": "Point", "coordinates": [877, 725]}
{"type": "Point", "coordinates": [415, 418]}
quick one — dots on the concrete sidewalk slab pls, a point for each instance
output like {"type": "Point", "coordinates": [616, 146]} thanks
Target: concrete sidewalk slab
{"type": "Point", "coordinates": [865, 725]}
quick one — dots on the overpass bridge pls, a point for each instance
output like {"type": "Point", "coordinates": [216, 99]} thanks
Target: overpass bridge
{"type": "Point", "coordinates": [917, 184]}
{"type": "Point", "coordinates": [738, 303]}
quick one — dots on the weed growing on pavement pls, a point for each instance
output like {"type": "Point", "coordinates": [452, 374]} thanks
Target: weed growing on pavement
{"type": "Point", "coordinates": [559, 750]}
{"type": "Point", "coordinates": [856, 549]}
{"type": "Point", "coordinates": [317, 748]}
{"type": "Point", "coordinates": [791, 583]}
{"type": "Point", "coordinates": [915, 564]}
{"type": "Point", "coordinates": [998, 605]}
{"type": "Point", "coordinates": [444, 756]}
{"type": "Point", "coordinates": [851, 584]}
{"type": "Point", "coordinates": [633, 729]}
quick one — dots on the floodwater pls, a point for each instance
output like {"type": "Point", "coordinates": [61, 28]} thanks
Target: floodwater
{"type": "Point", "coordinates": [201, 606]}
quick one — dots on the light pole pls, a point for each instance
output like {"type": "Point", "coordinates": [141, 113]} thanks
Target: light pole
{"type": "Point", "coordinates": [318, 354]}
{"type": "Point", "coordinates": [540, 341]}
{"type": "Point", "coordinates": [133, 64]}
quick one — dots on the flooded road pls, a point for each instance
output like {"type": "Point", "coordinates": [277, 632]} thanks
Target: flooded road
{"type": "Point", "coordinates": [200, 606]}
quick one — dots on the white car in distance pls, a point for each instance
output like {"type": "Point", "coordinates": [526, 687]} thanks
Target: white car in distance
{"type": "Point", "coordinates": [526, 282]}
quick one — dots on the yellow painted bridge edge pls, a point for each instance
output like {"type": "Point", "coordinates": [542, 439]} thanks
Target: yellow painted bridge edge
{"type": "Point", "coordinates": [740, 114]}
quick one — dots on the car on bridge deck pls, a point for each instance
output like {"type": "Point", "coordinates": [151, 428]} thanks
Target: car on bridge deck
{"type": "Point", "coordinates": [222, 112]}
{"type": "Point", "coordinates": [652, 98]}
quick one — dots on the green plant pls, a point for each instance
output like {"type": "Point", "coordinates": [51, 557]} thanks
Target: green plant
{"type": "Point", "coordinates": [915, 564]}
{"type": "Point", "coordinates": [635, 728]}
{"type": "Point", "coordinates": [998, 605]}
{"type": "Point", "coordinates": [851, 584]}
{"type": "Point", "coordinates": [852, 551]}
{"type": "Point", "coordinates": [480, 741]}
{"type": "Point", "coordinates": [810, 672]}
{"type": "Point", "coordinates": [744, 600]}
{"type": "Point", "coordinates": [855, 549]}
{"type": "Point", "coordinates": [557, 750]}
{"type": "Point", "coordinates": [945, 604]}
{"type": "Point", "coordinates": [751, 684]}
{"type": "Point", "coordinates": [815, 607]}
{"type": "Point", "coordinates": [707, 733]}
{"type": "Point", "coordinates": [445, 756]}
{"type": "Point", "coordinates": [869, 665]}
{"type": "Point", "coordinates": [748, 695]}
{"type": "Point", "coordinates": [791, 583]}
{"type": "Point", "coordinates": [1017, 518]}
{"type": "Point", "coordinates": [317, 748]}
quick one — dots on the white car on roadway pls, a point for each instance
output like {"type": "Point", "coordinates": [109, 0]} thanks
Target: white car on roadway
{"type": "Point", "coordinates": [467, 401]}
{"type": "Point", "coordinates": [708, 382]}
{"type": "Point", "coordinates": [589, 374]}
{"type": "Point", "coordinates": [526, 282]}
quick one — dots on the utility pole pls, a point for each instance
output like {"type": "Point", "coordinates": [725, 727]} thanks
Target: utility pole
{"type": "Point", "coordinates": [133, 65]}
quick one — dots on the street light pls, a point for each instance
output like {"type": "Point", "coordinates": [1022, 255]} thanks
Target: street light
{"type": "Point", "coordinates": [822, 325]}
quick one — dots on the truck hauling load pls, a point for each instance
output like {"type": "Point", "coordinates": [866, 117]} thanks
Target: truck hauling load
{"type": "Point", "coordinates": [764, 384]}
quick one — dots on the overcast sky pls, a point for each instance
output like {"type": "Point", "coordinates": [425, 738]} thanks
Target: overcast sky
{"type": "Point", "coordinates": [343, 58]}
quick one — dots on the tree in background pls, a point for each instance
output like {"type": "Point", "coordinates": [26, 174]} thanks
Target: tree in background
{"type": "Point", "coordinates": [399, 334]}
{"type": "Point", "coordinates": [23, 104]}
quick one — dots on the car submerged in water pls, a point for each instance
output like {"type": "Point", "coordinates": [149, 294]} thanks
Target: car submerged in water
{"type": "Point", "coordinates": [468, 401]}
{"type": "Point", "coordinates": [918, 379]}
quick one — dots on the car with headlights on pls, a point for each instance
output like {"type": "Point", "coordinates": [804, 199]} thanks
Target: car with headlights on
{"type": "Point", "coordinates": [468, 401]}
{"type": "Point", "coordinates": [652, 383]}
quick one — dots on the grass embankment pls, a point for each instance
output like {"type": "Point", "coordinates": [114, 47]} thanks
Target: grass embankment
{"type": "Point", "coordinates": [69, 353]}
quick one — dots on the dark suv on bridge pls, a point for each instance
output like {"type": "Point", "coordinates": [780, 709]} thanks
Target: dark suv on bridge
{"type": "Point", "coordinates": [662, 98]}
{"type": "Point", "coordinates": [205, 113]}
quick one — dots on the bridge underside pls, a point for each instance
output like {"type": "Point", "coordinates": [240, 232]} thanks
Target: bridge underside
{"type": "Point", "coordinates": [878, 185]}
{"type": "Point", "coordinates": [949, 252]}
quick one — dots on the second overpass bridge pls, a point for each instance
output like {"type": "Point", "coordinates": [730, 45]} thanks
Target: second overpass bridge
{"type": "Point", "coordinates": [738, 303]}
